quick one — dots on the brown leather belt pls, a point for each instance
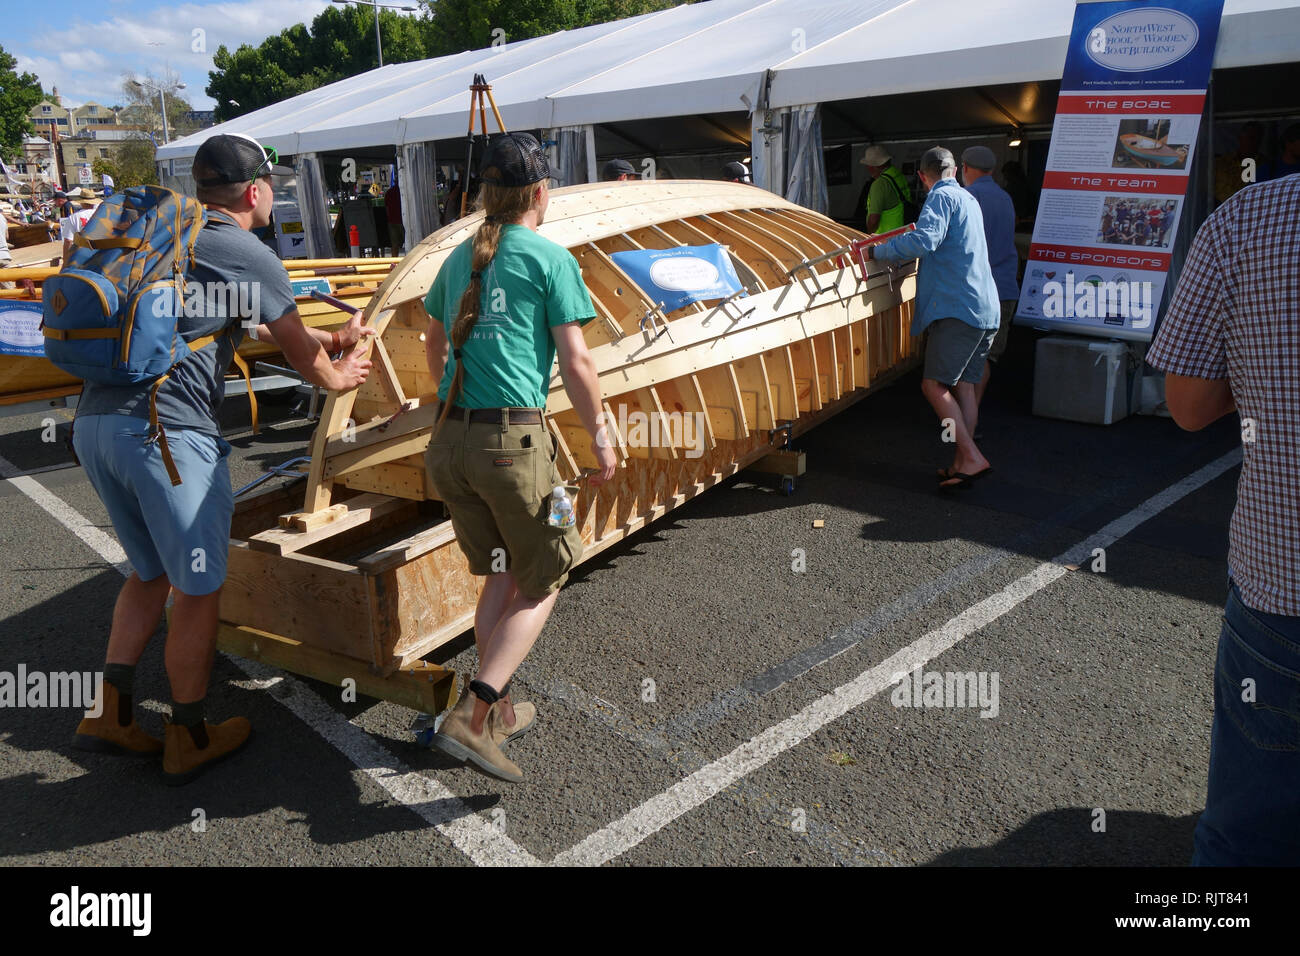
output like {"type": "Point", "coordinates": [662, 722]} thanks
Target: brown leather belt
{"type": "Point", "coordinates": [492, 416]}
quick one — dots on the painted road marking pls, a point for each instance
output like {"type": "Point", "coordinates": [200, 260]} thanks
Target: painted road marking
{"type": "Point", "coordinates": [477, 838]}
{"type": "Point", "coordinates": [657, 812]}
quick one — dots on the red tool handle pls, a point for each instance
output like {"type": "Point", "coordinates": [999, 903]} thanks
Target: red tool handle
{"type": "Point", "coordinates": [857, 246]}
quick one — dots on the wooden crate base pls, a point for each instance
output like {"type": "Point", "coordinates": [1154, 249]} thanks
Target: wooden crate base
{"type": "Point", "coordinates": [425, 687]}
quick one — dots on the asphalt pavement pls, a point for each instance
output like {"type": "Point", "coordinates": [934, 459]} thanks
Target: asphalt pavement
{"type": "Point", "coordinates": [701, 700]}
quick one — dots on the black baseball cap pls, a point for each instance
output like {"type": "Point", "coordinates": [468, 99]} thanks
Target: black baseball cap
{"type": "Point", "coordinates": [235, 158]}
{"type": "Point", "coordinates": [514, 159]}
{"type": "Point", "coordinates": [616, 168]}
{"type": "Point", "coordinates": [60, 194]}
{"type": "Point", "coordinates": [736, 171]}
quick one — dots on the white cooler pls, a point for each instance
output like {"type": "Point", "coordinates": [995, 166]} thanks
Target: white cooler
{"type": "Point", "coordinates": [1082, 380]}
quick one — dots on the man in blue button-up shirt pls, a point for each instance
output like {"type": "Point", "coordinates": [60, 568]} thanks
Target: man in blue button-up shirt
{"type": "Point", "coordinates": [977, 164]}
{"type": "Point", "coordinates": [956, 300]}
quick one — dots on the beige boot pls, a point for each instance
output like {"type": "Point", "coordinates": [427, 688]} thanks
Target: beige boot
{"type": "Point", "coordinates": [525, 714]}
{"type": "Point", "coordinates": [456, 739]}
{"type": "Point", "coordinates": [183, 760]}
{"type": "Point", "coordinates": [104, 734]}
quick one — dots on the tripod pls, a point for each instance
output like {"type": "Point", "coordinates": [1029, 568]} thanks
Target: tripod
{"type": "Point", "coordinates": [478, 91]}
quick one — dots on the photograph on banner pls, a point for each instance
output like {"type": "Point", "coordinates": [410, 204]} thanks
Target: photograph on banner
{"type": "Point", "coordinates": [1145, 143]}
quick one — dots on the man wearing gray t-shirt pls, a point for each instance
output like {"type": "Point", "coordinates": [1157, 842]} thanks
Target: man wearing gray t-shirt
{"type": "Point", "coordinates": [177, 535]}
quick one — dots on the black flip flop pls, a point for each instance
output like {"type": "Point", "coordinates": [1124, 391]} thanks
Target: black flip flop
{"type": "Point", "coordinates": [963, 480]}
{"type": "Point", "coordinates": [946, 474]}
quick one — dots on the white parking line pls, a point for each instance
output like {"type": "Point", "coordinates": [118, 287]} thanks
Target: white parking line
{"type": "Point", "coordinates": [657, 812]}
{"type": "Point", "coordinates": [483, 842]}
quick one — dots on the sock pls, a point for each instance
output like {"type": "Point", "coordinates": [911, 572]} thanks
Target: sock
{"type": "Point", "coordinates": [190, 716]}
{"type": "Point", "coordinates": [122, 676]}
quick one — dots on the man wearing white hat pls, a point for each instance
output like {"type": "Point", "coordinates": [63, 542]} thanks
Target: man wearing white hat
{"type": "Point", "coordinates": [888, 192]}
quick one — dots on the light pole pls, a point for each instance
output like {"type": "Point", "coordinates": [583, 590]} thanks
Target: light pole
{"type": "Point", "coordinates": [162, 98]}
{"type": "Point", "coordinates": [374, 3]}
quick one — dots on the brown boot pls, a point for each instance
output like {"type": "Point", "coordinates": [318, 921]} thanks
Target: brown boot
{"type": "Point", "coordinates": [108, 735]}
{"type": "Point", "coordinates": [525, 715]}
{"type": "Point", "coordinates": [183, 760]}
{"type": "Point", "coordinates": [456, 739]}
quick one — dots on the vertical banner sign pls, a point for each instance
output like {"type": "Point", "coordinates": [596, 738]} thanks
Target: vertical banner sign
{"type": "Point", "coordinates": [1117, 168]}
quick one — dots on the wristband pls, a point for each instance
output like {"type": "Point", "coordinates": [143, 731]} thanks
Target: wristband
{"type": "Point", "coordinates": [336, 344]}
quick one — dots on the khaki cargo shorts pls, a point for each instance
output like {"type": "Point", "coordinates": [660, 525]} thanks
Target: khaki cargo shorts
{"type": "Point", "coordinates": [496, 480]}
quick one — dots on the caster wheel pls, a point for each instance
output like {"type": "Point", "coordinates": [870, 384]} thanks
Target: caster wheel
{"type": "Point", "coordinates": [787, 485]}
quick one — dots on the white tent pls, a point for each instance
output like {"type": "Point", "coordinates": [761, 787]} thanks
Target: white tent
{"type": "Point", "coordinates": [711, 58]}
{"type": "Point", "coordinates": [739, 75]}
{"type": "Point", "coordinates": [935, 45]}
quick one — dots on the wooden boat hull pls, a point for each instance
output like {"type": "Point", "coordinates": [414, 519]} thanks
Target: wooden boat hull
{"type": "Point", "coordinates": [370, 538]}
{"type": "Point", "coordinates": [28, 378]}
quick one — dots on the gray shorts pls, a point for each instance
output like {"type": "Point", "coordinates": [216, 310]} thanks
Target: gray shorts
{"type": "Point", "coordinates": [956, 351]}
{"type": "Point", "coordinates": [1004, 330]}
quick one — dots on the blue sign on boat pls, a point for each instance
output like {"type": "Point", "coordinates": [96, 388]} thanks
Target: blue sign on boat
{"type": "Point", "coordinates": [677, 277]}
{"type": "Point", "coordinates": [20, 329]}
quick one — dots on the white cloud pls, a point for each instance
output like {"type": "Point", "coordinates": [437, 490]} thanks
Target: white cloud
{"type": "Point", "coordinates": [153, 40]}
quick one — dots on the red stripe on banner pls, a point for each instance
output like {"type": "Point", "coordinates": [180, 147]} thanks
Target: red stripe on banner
{"type": "Point", "coordinates": [1125, 183]}
{"type": "Point", "coordinates": [1119, 257]}
{"type": "Point", "coordinates": [1171, 104]}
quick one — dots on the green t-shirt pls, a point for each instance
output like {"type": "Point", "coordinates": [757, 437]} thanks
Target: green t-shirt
{"type": "Point", "coordinates": [530, 285]}
{"type": "Point", "coordinates": [886, 200]}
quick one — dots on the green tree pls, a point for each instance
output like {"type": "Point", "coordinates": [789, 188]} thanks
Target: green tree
{"type": "Point", "coordinates": [341, 43]}
{"type": "Point", "coordinates": [19, 92]}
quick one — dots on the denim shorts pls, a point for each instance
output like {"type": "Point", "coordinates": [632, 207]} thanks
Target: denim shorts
{"type": "Point", "coordinates": [1252, 804]}
{"type": "Point", "coordinates": [182, 531]}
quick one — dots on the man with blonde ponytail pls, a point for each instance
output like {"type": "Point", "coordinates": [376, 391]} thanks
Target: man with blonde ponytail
{"type": "Point", "coordinates": [509, 300]}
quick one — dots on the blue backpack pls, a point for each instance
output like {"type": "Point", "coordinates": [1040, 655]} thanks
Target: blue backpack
{"type": "Point", "coordinates": [110, 314]}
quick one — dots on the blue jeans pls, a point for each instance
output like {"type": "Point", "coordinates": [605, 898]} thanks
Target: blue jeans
{"type": "Point", "coordinates": [1252, 804]}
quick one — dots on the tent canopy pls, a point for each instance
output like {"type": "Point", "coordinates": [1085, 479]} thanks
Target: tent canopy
{"type": "Point", "coordinates": [708, 59]}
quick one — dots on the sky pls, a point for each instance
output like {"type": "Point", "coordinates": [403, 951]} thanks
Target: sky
{"type": "Point", "coordinates": [85, 50]}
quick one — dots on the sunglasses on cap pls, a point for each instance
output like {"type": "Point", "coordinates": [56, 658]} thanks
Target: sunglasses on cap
{"type": "Point", "coordinates": [264, 169]}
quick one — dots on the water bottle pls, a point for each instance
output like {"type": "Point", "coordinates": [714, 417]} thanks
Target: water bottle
{"type": "Point", "coordinates": [561, 508]}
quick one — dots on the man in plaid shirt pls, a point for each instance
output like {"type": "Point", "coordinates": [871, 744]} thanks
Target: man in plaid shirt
{"type": "Point", "coordinates": [1231, 341]}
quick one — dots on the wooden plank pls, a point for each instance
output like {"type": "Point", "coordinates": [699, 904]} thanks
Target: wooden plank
{"type": "Point", "coordinates": [359, 510]}
{"type": "Point", "coordinates": [384, 374]}
{"type": "Point", "coordinates": [844, 358]}
{"type": "Point", "coordinates": [756, 390]}
{"type": "Point", "coordinates": [827, 366]}
{"type": "Point", "coordinates": [397, 480]}
{"type": "Point", "coordinates": [421, 686]}
{"type": "Point", "coordinates": [307, 599]}
{"type": "Point", "coordinates": [379, 453]}
{"type": "Point", "coordinates": [784, 372]}
{"type": "Point", "coordinates": [784, 461]}
{"type": "Point", "coordinates": [804, 357]}
{"type": "Point", "coordinates": [721, 395]}
{"type": "Point", "coordinates": [337, 411]}
{"type": "Point", "coordinates": [302, 521]}
{"type": "Point", "coordinates": [564, 457]}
